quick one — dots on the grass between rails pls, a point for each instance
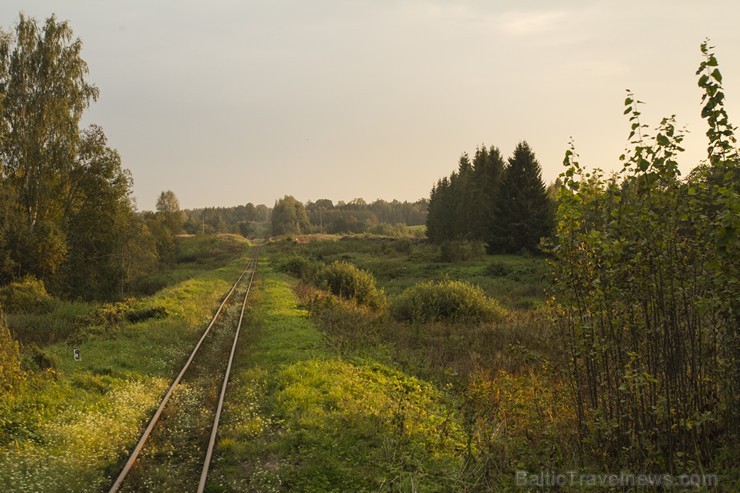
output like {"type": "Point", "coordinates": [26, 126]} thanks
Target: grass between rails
{"type": "Point", "coordinates": [302, 417]}
{"type": "Point", "coordinates": [69, 427]}
{"type": "Point", "coordinates": [174, 454]}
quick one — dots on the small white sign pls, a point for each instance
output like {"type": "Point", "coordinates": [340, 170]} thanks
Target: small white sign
{"type": "Point", "coordinates": [76, 353]}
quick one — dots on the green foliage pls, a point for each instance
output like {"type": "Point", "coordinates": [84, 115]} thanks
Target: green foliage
{"type": "Point", "coordinates": [645, 289]}
{"type": "Point", "coordinates": [522, 420]}
{"type": "Point", "coordinates": [128, 310]}
{"type": "Point", "coordinates": [44, 95]}
{"type": "Point", "coordinates": [506, 206]}
{"type": "Point", "coordinates": [289, 217]}
{"type": "Point", "coordinates": [55, 325]}
{"type": "Point", "coordinates": [26, 296]}
{"type": "Point", "coordinates": [299, 266]}
{"type": "Point", "coordinates": [246, 220]}
{"type": "Point", "coordinates": [168, 211]}
{"type": "Point", "coordinates": [347, 281]}
{"type": "Point", "coordinates": [460, 206]}
{"type": "Point", "coordinates": [721, 133]}
{"type": "Point", "coordinates": [447, 300]}
{"type": "Point", "coordinates": [99, 223]}
{"type": "Point", "coordinates": [461, 251]}
{"type": "Point", "coordinates": [35, 359]}
{"type": "Point", "coordinates": [514, 411]}
{"type": "Point", "coordinates": [68, 216]}
{"type": "Point", "coordinates": [10, 361]}
{"type": "Point", "coordinates": [520, 284]}
{"type": "Point", "coordinates": [357, 216]}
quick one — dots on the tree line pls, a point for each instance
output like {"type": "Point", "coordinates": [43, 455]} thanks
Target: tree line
{"type": "Point", "coordinates": [241, 219]}
{"type": "Point", "coordinates": [67, 216]}
{"type": "Point", "coordinates": [289, 216]}
{"type": "Point", "coordinates": [503, 204]}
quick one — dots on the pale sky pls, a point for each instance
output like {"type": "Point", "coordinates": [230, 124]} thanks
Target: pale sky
{"type": "Point", "coordinates": [226, 102]}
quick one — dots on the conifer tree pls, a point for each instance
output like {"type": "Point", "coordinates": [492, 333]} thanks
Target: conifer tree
{"type": "Point", "coordinates": [488, 164]}
{"type": "Point", "coordinates": [440, 212]}
{"type": "Point", "coordinates": [522, 211]}
{"type": "Point", "coordinates": [462, 189]}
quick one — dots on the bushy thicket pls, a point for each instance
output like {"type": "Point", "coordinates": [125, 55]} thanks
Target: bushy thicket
{"type": "Point", "coordinates": [461, 251]}
{"type": "Point", "coordinates": [340, 278]}
{"type": "Point", "coordinates": [447, 300]}
{"type": "Point", "coordinates": [347, 281]}
{"type": "Point", "coordinates": [26, 296]}
{"type": "Point", "coordinates": [299, 266]}
{"type": "Point", "coordinates": [645, 283]}
{"type": "Point", "coordinates": [10, 360]}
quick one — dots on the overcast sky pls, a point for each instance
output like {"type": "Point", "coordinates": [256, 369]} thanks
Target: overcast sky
{"type": "Point", "coordinates": [227, 102]}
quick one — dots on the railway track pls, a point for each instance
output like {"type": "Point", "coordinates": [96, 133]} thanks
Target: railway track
{"type": "Point", "coordinates": [174, 443]}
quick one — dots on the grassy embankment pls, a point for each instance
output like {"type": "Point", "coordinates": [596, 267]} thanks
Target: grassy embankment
{"type": "Point", "coordinates": [68, 425]}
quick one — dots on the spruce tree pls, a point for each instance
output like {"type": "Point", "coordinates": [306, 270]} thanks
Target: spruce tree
{"type": "Point", "coordinates": [440, 212]}
{"type": "Point", "coordinates": [522, 211]}
{"type": "Point", "coordinates": [488, 164]}
{"type": "Point", "coordinates": [462, 185]}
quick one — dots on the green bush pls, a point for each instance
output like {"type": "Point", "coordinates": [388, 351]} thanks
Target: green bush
{"type": "Point", "coordinates": [460, 251]}
{"type": "Point", "coordinates": [26, 296]}
{"type": "Point", "coordinates": [497, 269]}
{"type": "Point", "coordinates": [454, 301]}
{"type": "Point", "coordinates": [35, 359]}
{"type": "Point", "coordinates": [10, 362]}
{"type": "Point", "coordinates": [347, 281]}
{"type": "Point", "coordinates": [298, 266]}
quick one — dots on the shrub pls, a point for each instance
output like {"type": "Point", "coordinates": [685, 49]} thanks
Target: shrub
{"type": "Point", "coordinates": [298, 266]}
{"type": "Point", "coordinates": [447, 300]}
{"type": "Point", "coordinates": [10, 361]}
{"type": "Point", "coordinates": [347, 281]}
{"type": "Point", "coordinates": [37, 359]}
{"type": "Point", "coordinates": [497, 269]}
{"type": "Point", "coordinates": [109, 313]}
{"type": "Point", "coordinates": [26, 296]}
{"type": "Point", "coordinates": [460, 251]}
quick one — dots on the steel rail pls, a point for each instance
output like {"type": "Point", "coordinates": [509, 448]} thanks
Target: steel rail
{"type": "Point", "coordinates": [214, 430]}
{"type": "Point", "coordinates": [148, 431]}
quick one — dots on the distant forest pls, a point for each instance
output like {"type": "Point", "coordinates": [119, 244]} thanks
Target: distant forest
{"type": "Point", "coordinates": [291, 217]}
